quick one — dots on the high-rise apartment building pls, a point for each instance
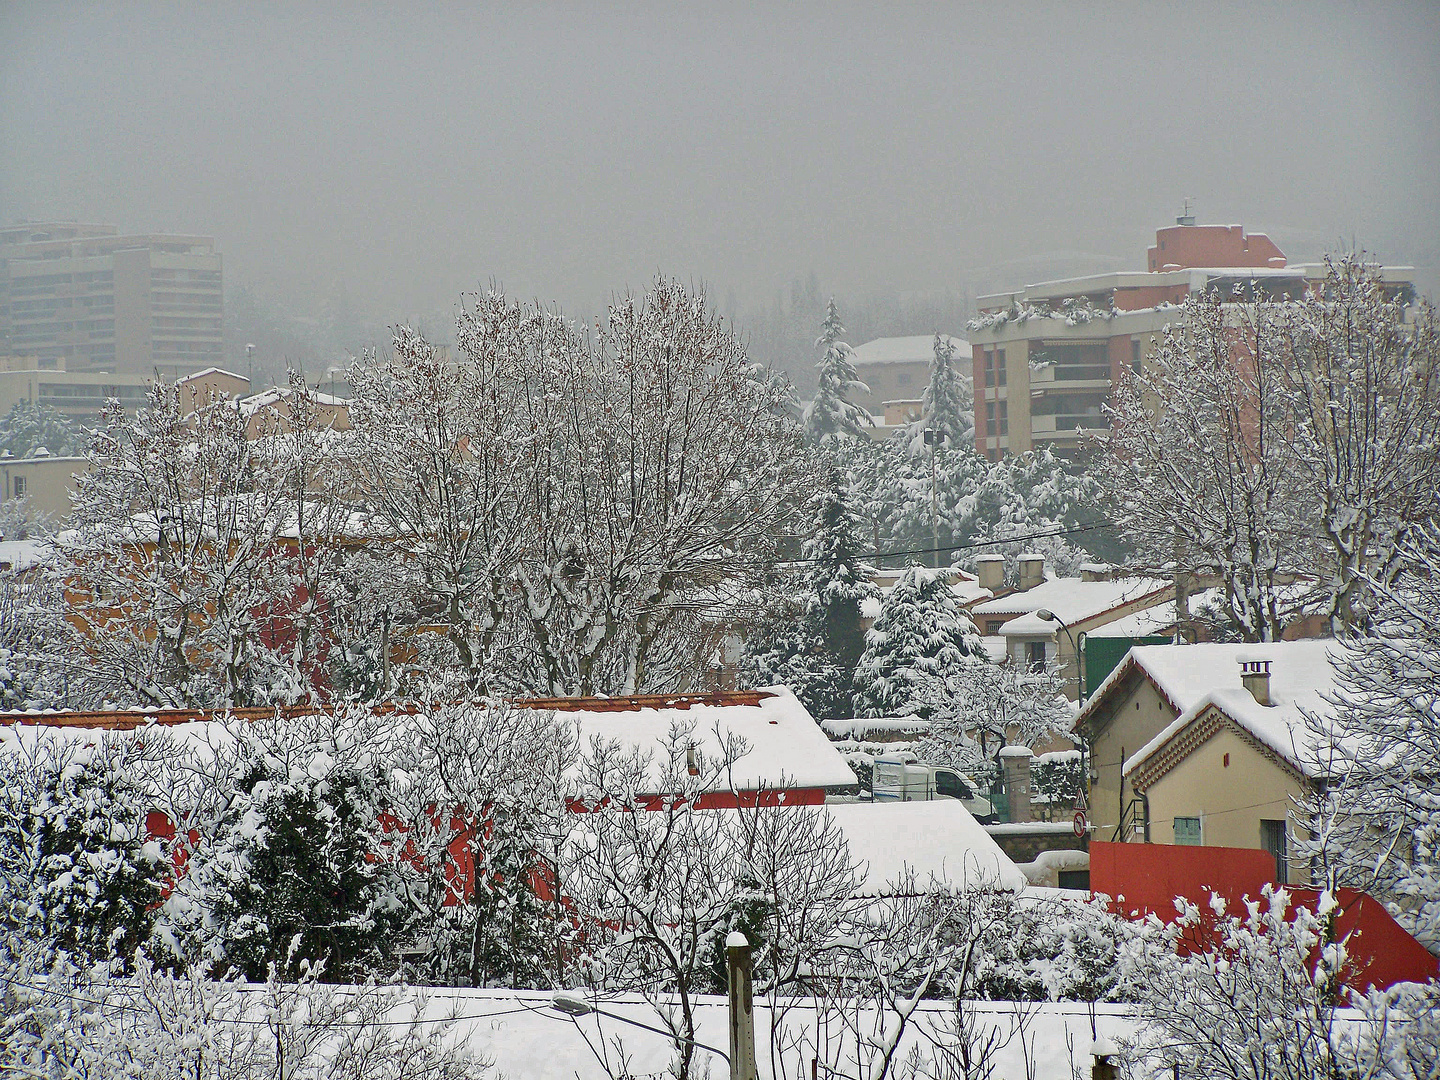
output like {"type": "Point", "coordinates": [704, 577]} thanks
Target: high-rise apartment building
{"type": "Point", "coordinates": [1046, 356]}
{"type": "Point", "coordinates": [89, 299]}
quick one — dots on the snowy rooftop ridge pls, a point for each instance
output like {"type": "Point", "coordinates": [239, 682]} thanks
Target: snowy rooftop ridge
{"type": "Point", "coordinates": [1195, 677]}
{"type": "Point", "coordinates": [1071, 599]}
{"type": "Point", "coordinates": [916, 348]}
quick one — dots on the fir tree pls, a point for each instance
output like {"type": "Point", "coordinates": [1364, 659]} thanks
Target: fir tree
{"type": "Point", "coordinates": [832, 414]}
{"type": "Point", "coordinates": [921, 637]}
{"type": "Point", "coordinates": [813, 637]}
{"type": "Point", "coordinates": [29, 426]}
{"type": "Point", "coordinates": [949, 398]}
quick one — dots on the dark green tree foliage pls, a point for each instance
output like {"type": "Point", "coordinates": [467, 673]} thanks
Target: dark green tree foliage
{"type": "Point", "coordinates": [813, 635]}
{"type": "Point", "coordinates": [76, 871]}
{"type": "Point", "coordinates": [293, 859]}
{"type": "Point", "coordinates": [919, 641]}
{"type": "Point", "coordinates": [748, 911]}
{"type": "Point", "coordinates": [29, 426]}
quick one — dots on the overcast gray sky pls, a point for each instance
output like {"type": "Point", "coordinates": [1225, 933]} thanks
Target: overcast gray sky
{"type": "Point", "coordinates": [406, 152]}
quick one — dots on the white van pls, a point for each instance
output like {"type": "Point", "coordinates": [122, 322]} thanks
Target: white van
{"type": "Point", "coordinates": [902, 778]}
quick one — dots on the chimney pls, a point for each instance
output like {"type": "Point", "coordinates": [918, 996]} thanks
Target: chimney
{"type": "Point", "coordinates": [1032, 571]}
{"type": "Point", "coordinates": [1094, 571]}
{"type": "Point", "coordinates": [1255, 677]}
{"type": "Point", "coordinates": [990, 569]}
{"type": "Point", "coordinates": [1016, 762]}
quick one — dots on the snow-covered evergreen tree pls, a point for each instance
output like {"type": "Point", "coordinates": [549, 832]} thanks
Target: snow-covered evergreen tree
{"type": "Point", "coordinates": [812, 637]}
{"type": "Point", "coordinates": [920, 639]}
{"type": "Point", "coordinates": [33, 642]}
{"type": "Point", "coordinates": [288, 870]}
{"type": "Point", "coordinates": [949, 400]}
{"type": "Point", "coordinates": [78, 875]}
{"type": "Point", "coordinates": [832, 413]}
{"type": "Point", "coordinates": [28, 427]}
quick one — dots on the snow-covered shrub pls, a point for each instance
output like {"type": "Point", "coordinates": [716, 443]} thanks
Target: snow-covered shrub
{"type": "Point", "coordinates": [67, 1022]}
{"type": "Point", "coordinates": [78, 873]}
{"type": "Point", "coordinates": [1245, 996]}
{"type": "Point", "coordinates": [1059, 776]}
{"type": "Point", "coordinates": [291, 866]}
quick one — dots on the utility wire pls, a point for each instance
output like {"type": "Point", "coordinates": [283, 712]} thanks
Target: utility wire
{"type": "Point", "coordinates": [1082, 527]}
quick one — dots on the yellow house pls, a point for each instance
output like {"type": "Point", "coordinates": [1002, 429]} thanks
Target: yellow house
{"type": "Point", "coordinates": [1206, 744]}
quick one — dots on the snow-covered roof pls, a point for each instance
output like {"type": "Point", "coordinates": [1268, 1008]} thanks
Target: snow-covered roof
{"type": "Point", "coordinates": [919, 348]}
{"type": "Point", "coordinates": [787, 749]}
{"type": "Point", "coordinates": [1194, 677]}
{"type": "Point", "coordinates": [1151, 621]}
{"type": "Point", "coordinates": [938, 840]}
{"type": "Point", "coordinates": [23, 554]}
{"type": "Point", "coordinates": [206, 372]}
{"type": "Point", "coordinates": [1072, 599]}
{"type": "Point", "coordinates": [252, 404]}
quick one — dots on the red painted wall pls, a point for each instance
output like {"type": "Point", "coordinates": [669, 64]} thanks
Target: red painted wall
{"type": "Point", "coordinates": [1211, 245]}
{"type": "Point", "coordinates": [1145, 878]}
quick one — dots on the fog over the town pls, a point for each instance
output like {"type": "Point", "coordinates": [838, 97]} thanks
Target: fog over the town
{"type": "Point", "coordinates": [386, 158]}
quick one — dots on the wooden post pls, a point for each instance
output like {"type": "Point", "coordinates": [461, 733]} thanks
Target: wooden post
{"type": "Point", "coordinates": [742, 1011]}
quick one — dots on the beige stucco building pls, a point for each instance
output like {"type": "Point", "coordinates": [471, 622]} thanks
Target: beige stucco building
{"type": "Point", "coordinates": [45, 482]}
{"type": "Point", "coordinates": [1186, 748]}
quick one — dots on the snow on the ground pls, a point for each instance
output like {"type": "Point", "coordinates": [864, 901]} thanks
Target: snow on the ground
{"type": "Point", "coordinates": [525, 1037]}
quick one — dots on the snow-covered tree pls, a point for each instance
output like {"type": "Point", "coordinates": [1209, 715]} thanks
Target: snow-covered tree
{"type": "Point", "coordinates": [1244, 996]}
{"type": "Point", "coordinates": [571, 511]}
{"type": "Point", "coordinates": [949, 400]}
{"type": "Point", "coordinates": [920, 639]}
{"type": "Point", "coordinates": [1198, 473]}
{"type": "Point", "coordinates": [29, 426]}
{"type": "Point", "coordinates": [1377, 824]}
{"type": "Point", "coordinates": [812, 638]}
{"type": "Point", "coordinates": [660, 883]}
{"type": "Point", "coordinates": [182, 586]}
{"type": "Point", "coordinates": [471, 875]}
{"type": "Point", "coordinates": [985, 707]}
{"type": "Point", "coordinates": [1362, 371]}
{"type": "Point", "coordinates": [78, 875]}
{"type": "Point", "coordinates": [832, 413]}
{"type": "Point", "coordinates": [34, 665]}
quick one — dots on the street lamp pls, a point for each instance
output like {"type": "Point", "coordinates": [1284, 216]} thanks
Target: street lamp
{"type": "Point", "coordinates": [575, 1006]}
{"type": "Point", "coordinates": [1046, 615]}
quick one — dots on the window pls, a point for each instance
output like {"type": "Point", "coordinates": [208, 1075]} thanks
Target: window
{"type": "Point", "coordinates": [1272, 839]}
{"type": "Point", "coordinates": [992, 626]}
{"type": "Point", "coordinates": [1135, 355]}
{"type": "Point", "coordinates": [1035, 654]}
{"type": "Point", "coordinates": [1004, 418]}
{"type": "Point", "coordinates": [19, 487]}
{"type": "Point", "coordinates": [902, 379]}
{"type": "Point", "coordinates": [1187, 831]}
{"type": "Point", "coordinates": [1000, 367]}
{"type": "Point", "coordinates": [951, 786]}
